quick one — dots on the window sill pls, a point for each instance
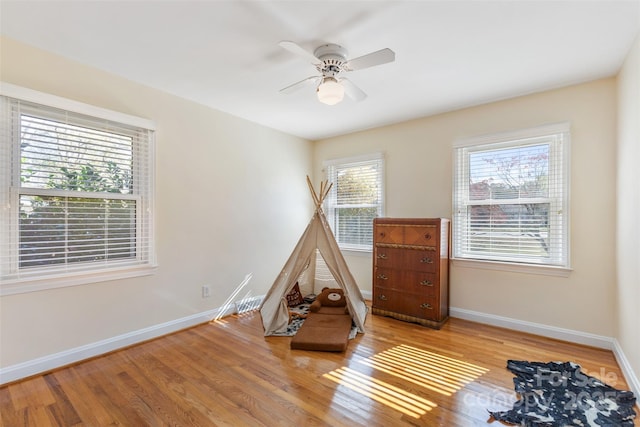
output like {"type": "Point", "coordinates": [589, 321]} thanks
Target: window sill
{"type": "Point", "coordinates": [545, 270]}
{"type": "Point", "coordinates": [41, 283]}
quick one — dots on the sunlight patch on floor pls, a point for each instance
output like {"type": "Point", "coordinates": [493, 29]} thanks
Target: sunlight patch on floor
{"type": "Point", "coordinates": [426, 369]}
{"type": "Point", "coordinates": [433, 371]}
{"type": "Point", "coordinates": [380, 391]}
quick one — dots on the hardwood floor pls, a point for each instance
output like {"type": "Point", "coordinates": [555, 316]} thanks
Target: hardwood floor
{"type": "Point", "coordinates": [226, 373]}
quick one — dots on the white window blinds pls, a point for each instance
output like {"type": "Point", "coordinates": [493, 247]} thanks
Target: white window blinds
{"type": "Point", "coordinates": [76, 192]}
{"type": "Point", "coordinates": [355, 199]}
{"type": "Point", "coordinates": [511, 197]}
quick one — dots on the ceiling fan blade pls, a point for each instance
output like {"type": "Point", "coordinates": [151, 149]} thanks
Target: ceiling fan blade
{"type": "Point", "coordinates": [379, 57]}
{"type": "Point", "coordinates": [299, 85]}
{"type": "Point", "coordinates": [353, 91]}
{"type": "Point", "coordinates": [295, 48]}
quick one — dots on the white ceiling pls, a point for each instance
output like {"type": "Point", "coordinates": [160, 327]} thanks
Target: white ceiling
{"type": "Point", "coordinates": [225, 54]}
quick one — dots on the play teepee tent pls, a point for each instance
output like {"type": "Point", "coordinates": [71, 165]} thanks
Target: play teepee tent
{"type": "Point", "coordinates": [316, 239]}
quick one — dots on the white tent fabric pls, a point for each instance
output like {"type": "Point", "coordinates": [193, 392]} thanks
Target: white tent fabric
{"type": "Point", "coordinates": [318, 235]}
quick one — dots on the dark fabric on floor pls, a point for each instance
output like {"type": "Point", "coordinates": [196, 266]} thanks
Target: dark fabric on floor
{"type": "Point", "coordinates": [299, 313]}
{"type": "Point", "coordinates": [559, 394]}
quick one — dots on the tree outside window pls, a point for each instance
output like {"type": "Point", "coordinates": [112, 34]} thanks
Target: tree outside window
{"type": "Point", "coordinates": [510, 200]}
{"type": "Point", "coordinates": [75, 193]}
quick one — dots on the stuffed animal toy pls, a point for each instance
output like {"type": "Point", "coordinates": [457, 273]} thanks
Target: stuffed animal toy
{"type": "Point", "coordinates": [329, 297]}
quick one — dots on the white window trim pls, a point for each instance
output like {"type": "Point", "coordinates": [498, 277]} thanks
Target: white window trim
{"type": "Point", "coordinates": [22, 285]}
{"type": "Point", "coordinates": [545, 270]}
{"type": "Point", "coordinates": [377, 156]}
{"type": "Point", "coordinates": [35, 282]}
{"type": "Point", "coordinates": [563, 169]}
{"type": "Point", "coordinates": [26, 94]}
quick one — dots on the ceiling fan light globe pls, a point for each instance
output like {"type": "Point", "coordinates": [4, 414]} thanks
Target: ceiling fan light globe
{"type": "Point", "coordinates": [330, 92]}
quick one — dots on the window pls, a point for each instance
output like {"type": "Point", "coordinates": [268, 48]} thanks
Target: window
{"type": "Point", "coordinates": [510, 197]}
{"type": "Point", "coordinates": [76, 193]}
{"type": "Point", "coordinates": [355, 199]}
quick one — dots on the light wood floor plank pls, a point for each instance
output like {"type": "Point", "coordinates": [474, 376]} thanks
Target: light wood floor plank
{"type": "Point", "coordinates": [226, 373]}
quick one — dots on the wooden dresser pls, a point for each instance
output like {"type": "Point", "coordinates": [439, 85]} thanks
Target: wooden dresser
{"type": "Point", "coordinates": [411, 269]}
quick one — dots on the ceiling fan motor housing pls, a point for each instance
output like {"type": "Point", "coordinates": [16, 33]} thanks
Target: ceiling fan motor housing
{"type": "Point", "coordinates": [331, 62]}
{"type": "Point", "coordinates": [332, 57]}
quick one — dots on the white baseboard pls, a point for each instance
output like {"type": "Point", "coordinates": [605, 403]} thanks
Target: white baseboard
{"type": "Point", "coordinates": [627, 370]}
{"type": "Point", "coordinates": [570, 335]}
{"type": "Point", "coordinates": [74, 355]}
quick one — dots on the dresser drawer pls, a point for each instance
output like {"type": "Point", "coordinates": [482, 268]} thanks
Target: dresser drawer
{"type": "Point", "coordinates": [419, 260]}
{"type": "Point", "coordinates": [387, 257]}
{"type": "Point", "coordinates": [414, 282]}
{"type": "Point", "coordinates": [411, 235]}
{"type": "Point", "coordinates": [406, 259]}
{"type": "Point", "coordinates": [389, 234]}
{"type": "Point", "coordinates": [424, 235]}
{"type": "Point", "coordinates": [421, 306]}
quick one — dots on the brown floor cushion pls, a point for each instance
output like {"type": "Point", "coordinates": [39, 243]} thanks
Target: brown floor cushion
{"type": "Point", "coordinates": [332, 310]}
{"type": "Point", "coordinates": [323, 332]}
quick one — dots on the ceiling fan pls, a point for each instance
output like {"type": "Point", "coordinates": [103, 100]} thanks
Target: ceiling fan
{"type": "Point", "coordinates": [331, 62]}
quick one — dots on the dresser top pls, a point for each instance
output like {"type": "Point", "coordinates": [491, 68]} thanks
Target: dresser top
{"type": "Point", "coordinates": [415, 221]}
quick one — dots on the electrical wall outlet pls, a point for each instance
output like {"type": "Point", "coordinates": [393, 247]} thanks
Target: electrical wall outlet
{"type": "Point", "coordinates": [206, 291]}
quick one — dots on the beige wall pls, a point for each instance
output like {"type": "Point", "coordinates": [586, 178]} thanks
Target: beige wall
{"type": "Point", "coordinates": [418, 184]}
{"type": "Point", "coordinates": [628, 212]}
{"type": "Point", "coordinates": [221, 213]}
{"type": "Point", "coordinates": [220, 208]}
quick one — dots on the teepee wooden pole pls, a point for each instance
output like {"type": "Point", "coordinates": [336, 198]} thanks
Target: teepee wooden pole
{"type": "Point", "coordinates": [318, 197]}
{"type": "Point", "coordinates": [313, 192]}
{"type": "Point", "coordinates": [326, 191]}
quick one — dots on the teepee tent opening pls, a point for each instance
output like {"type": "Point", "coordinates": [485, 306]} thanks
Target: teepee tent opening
{"type": "Point", "coordinates": [316, 252]}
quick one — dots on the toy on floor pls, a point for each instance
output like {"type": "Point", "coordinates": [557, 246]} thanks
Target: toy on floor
{"type": "Point", "coordinates": [328, 300]}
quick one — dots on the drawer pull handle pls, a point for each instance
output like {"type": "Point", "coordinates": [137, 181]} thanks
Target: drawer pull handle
{"type": "Point", "coordinates": [382, 297]}
{"type": "Point", "coordinates": [427, 236]}
{"type": "Point", "coordinates": [426, 305]}
{"type": "Point", "coordinates": [382, 234]}
{"type": "Point", "coordinates": [426, 260]}
{"type": "Point", "coordinates": [382, 256]}
{"type": "Point", "coordinates": [426, 283]}
{"type": "Point", "coordinates": [382, 277]}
